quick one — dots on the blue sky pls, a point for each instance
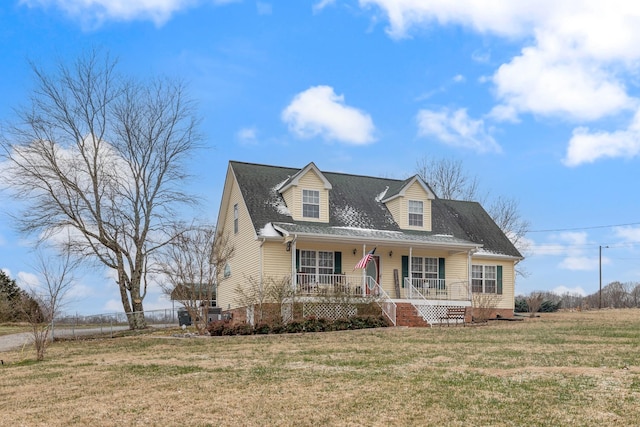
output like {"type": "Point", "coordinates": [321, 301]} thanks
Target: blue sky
{"type": "Point", "coordinates": [539, 100]}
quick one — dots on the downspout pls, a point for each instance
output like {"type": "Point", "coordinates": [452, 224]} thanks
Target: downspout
{"type": "Point", "coordinates": [469, 272]}
{"type": "Point", "coordinates": [260, 261]}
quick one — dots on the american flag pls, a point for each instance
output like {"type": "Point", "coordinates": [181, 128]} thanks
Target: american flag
{"type": "Point", "coordinates": [365, 259]}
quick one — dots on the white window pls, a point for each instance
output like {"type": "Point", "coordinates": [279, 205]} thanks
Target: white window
{"type": "Point", "coordinates": [235, 218]}
{"type": "Point", "coordinates": [425, 269]}
{"type": "Point", "coordinates": [317, 263]}
{"type": "Point", "coordinates": [311, 203]}
{"type": "Point", "coordinates": [484, 279]}
{"type": "Point", "coordinates": [415, 213]}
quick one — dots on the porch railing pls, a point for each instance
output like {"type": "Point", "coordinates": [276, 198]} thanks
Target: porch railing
{"type": "Point", "coordinates": [330, 284]}
{"type": "Point", "coordinates": [437, 289]}
{"type": "Point", "coordinates": [422, 305]}
{"type": "Point", "coordinates": [389, 308]}
{"type": "Point", "coordinates": [308, 284]}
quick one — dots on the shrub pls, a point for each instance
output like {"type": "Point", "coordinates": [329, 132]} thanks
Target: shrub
{"type": "Point", "coordinates": [262, 328]}
{"type": "Point", "coordinates": [294, 327]}
{"type": "Point", "coordinates": [242, 329]}
{"type": "Point", "coordinates": [218, 327]}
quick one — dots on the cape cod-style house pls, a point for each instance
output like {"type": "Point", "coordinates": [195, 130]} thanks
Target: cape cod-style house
{"type": "Point", "coordinates": [310, 228]}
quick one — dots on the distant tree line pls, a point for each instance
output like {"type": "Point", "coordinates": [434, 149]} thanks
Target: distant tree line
{"type": "Point", "coordinates": [614, 295]}
{"type": "Point", "coordinates": [15, 303]}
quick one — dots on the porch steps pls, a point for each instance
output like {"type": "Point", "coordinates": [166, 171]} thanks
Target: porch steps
{"type": "Point", "coordinates": [407, 315]}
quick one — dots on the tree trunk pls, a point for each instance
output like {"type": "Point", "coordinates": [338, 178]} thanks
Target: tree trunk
{"type": "Point", "coordinates": [133, 308]}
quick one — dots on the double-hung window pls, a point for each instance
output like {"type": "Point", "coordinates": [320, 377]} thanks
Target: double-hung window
{"type": "Point", "coordinates": [484, 279]}
{"type": "Point", "coordinates": [424, 271]}
{"type": "Point", "coordinates": [317, 265]}
{"type": "Point", "coordinates": [311, 203]}
{"type": "Point", "coordinates": [416, 213]}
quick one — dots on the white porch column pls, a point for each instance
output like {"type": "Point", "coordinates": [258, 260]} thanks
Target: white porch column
{"type": "Point", "coordinates": [410, 287]}
{"type": "Point", "coordinates": [294, 276]}
{"type": "Point", "coordinates": [364, 273]}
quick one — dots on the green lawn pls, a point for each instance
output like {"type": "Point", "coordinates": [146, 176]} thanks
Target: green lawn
{"type": "Point", "coordinates": [560, 369]}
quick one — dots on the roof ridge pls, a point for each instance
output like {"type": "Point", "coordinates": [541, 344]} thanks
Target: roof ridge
{"type": "Point", "coordinates": [321, 170]}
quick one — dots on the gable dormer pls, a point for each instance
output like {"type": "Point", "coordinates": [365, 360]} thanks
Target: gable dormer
{"type": "Point", "coordinates": [306, 194]}
{"type": "Point", "coordinates": [410, 204]}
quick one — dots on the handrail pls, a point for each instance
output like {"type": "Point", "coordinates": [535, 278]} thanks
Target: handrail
{"type": "Point", "coordinates": [412, 289]}
{"type": "Point", "coordinates": [389, 308]}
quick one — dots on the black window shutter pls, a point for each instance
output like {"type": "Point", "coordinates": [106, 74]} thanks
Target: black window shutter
{"type": "Point", "coordinates": [405, 268]}
{"type": "Point", "coordinates": [297, 260]}
{"type": "Point", "coordinates": [337, 262]}
{"type": "Point", "coordinates": [499, 277]}
{"type": "Point", "coordinates": [441, 268]}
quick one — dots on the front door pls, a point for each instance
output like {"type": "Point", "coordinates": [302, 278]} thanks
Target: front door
{"type": "Point", "coordinates": [373, 270]}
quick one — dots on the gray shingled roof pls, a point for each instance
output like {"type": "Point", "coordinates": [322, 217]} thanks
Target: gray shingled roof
{"type": "Point", "coordinates": [356, 210]}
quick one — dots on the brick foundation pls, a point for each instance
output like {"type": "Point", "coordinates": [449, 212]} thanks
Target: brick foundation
{"type": "Point", "coordinates": [504, 313]}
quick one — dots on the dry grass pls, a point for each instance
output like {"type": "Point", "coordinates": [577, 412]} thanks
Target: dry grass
{"type": "Point", "coordinates": [560, 369]}
{"type": "Point", "coordinates": [13, 328]}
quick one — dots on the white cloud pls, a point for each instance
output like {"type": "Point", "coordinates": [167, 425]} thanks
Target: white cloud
{"type": "Point", "coordinates": [561, 290]}
{"type": "Point", "coordinates": [317, 7]}
{"type": "Point", "coordinates": [318, 111]}
{"type": "Point", "coordinates": [537, 83]}
{"type": "Point", "coordinates": [27, 280]}
{"type": "Point", "coordinates": [96, 12]}
{"type": "Point", "coordinates": [247, 136]}
{"type": "Point", "coordinates": [628, 234]}
{"type": "Point", "coordinates": [459, 78]}
{"type": "Point", "coordinates": [575, 58]}
{"type": "Point", "coordinates": [264, 8]}
{"type": "Point", "coordinates": [574, 247]}
{"type": "Point", "coordinates": [580, 263]}
{"type": "Point", "coordinates": [456, 128]}
{"type": "Point", "coordinates": [586, 146]}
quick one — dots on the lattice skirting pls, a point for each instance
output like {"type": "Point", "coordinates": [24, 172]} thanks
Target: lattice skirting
{"type": "Point", "coordinates": [328, 310]}
{"type": "Point", "coordinates": [434, 314]}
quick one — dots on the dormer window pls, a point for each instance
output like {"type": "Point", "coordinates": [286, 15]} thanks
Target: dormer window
{"type": "Point", "coordinates": [311, 203]}
{"type": "Point", "coordinates": [416, 213]}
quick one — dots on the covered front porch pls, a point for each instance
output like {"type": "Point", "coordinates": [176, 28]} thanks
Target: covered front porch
{"type": "Point", "coordinates": [431, 300]}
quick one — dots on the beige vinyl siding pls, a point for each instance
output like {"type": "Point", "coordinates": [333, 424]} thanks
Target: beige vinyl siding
{"type": "Point", "coordinates": [395, 209]}
{"type": "Point", "coordinates": [276, 261]}
{"type": "Point", "coordinates": [293, 197]}
{"type": "Point", "coordinates": [457, 268]}
{"type": "Point", "coordinates": [506, 300]}
{"type": "Point", "coordinates": [416, 192]}
{"type": "Point", "coordinates": [245, 261]}
{"type": "Point", "coordinates": [289, 200]}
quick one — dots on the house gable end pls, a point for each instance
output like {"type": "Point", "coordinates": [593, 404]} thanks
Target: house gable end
{"type": "Point", "coordinates": [410, 204]}
{"type": "Point", "coordinates": [306, 193]}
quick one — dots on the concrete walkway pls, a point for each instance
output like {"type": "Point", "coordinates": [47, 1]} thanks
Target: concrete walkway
{"type": "Point", "coordinates": [16, 341]}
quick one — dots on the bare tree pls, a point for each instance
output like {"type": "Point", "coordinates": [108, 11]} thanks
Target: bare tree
{"type": "Point", "coordinates": [633, 288]}
{"type": "Point", "coordinates": [186, 263]}
{"type": "Point", "coordinates": [448, 180]}
{"type": "Point", "coordinates": [102, 155]}
{"type": "Point", "coordinates": [484, 305]}
{"type": "Point", "coordinates": [42, 304]}
{"type": "Point", "coordinates": [534, 302]}
{"type": "Point", "coordinates": [505, 211]}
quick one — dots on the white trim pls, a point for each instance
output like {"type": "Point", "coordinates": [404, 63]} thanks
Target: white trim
{"type": "Point", "coordinates": [403, 190]}
{"type": "Point", "coordinates": [296, 178]}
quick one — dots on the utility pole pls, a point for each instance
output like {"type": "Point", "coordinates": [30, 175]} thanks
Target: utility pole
{"type": "Point", "coordinates": [600, 264]}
